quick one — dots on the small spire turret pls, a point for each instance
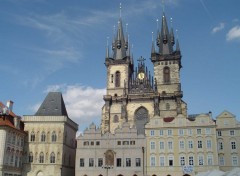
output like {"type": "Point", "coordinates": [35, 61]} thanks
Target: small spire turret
{"type": "Point", "coordinates": [172, 35]}
{"type": "Point", "coordinates": [153, 45]}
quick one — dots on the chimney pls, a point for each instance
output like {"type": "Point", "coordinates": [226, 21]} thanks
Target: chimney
{"type": "Point", "coordinates": [10, 105]}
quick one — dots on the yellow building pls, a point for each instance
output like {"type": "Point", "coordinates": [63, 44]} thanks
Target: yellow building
{"type": "Point", "coordinates": [228, 139]}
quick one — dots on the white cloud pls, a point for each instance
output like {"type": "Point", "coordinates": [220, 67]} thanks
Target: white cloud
{"type": "Point", "coordinates": [233, 34]}
{"type": "Point", "coordinates": [218, 28]}
{"type": "Point", "coordinates": [84, 104]}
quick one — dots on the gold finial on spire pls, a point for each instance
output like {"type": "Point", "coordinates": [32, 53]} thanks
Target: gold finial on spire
{"type": "Point", "coordinates": [152, 36]}
{"type": "Point", "coordinates": [177, 33]}
{"type": "Point", "coordinates": [120, 10]}
{"type": "Point", "coordinates": [157, 24]}
{"type": "Point", "coordinates": [126, 27]}
{"type": "Point", "coordinates": [107, 41]}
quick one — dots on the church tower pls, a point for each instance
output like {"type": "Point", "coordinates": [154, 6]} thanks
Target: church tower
{"type": "Point", "coordinates": [167, 64]}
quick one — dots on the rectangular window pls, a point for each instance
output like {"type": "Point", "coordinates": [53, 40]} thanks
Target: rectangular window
{"type": "Point", "coordinates": [152, 145]}
{"type": "Point", "coordinates": [182, 160]}
{"type": "Point", "coordinates": [233, 145]}
{"type": "Point", "coordinates": [132, 142]}
{"type": "Point", "coordinates": [152, 161]}
{"type": "Point", "coordinates": [152, 133]}
{"type": "Point", "coordinates": [170, 161]}
{"type": "Point", "coordinates": [92, 142]}
{"type": "Point", "coordinates": [220, 146]}
{"type": "Point", "coordinates": [118, 142]}
{"type": "Point", "coordinates": [219, 133]}
{"type": "Point", "coordinates": [138, 162]}
{"type": "Point", "coordinates": [160, 132]}
{"type": "Point", "coordinates": [161, 145]}
{"type": "Point", "coordinates": [181, 144]}
{"type": "Point", "coordinates": [162, 161]}
{"type": "Point", "coordinates": [128, 162]}
{"type": "Point", "coordinates": [234, 160]}
{"type": "Point", "coordinates": [221, 161]}
{"type": "Point", "coordinates": [208, 130]}
{"type": "Point", "coordinates": [97, 142]}
{"type": "Point", "coordinates": [189, 131]}
{"type": "Point", "coordinates": [100, 162]}
{"type": "Point", "coordinates": [210, 160]}
{"type": "Point", "coordinates": [170, 145]}
{"type": "Point", "coordinates": [169, 132]}
{"type": "Point", "coordinates": [91, 162]}
{"type": "Point", "coordinates": [199, 144]}
{"type": "Point", "coordinates": [200, 160]}
{"type": "Point", "coordinates": [190, 144]}
{"type": "Point", "coordinates": [190, 160]}
{"type": "Point", "coordinates": [232, 133]}
{"type": "Point", "coordinates": [199, 131]}
{"type": "Point", "coordinates": [181, 132]}
{"type": "Point", "coordinates": [119, 162]}
{"type": "Point", "coordinates": [209, 144]}
{"type": "Point", "coordinates": [81, 162]}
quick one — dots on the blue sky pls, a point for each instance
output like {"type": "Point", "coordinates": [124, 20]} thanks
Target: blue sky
{"type": "Point", "coordinates": [48, 45]}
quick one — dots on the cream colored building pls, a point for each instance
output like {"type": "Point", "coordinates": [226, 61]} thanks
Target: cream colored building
{"type": "Point", "coordinates": [228, 139]}
{"type": "Point", "coordinates": [51, 146]}
{"type": "Point", "coordinates": [108, 154]}
{"type": "Point", "coordinates": [11, 141]}
{"type": "Point", "coordinates": [180, 145]}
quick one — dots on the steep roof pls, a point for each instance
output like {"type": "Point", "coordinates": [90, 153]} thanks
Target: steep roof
{"type": "Point", "coordinates": [53, 105]}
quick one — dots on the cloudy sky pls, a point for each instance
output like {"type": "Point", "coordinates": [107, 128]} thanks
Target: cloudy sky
{"type": "Point", "coordinates": [59, 45]}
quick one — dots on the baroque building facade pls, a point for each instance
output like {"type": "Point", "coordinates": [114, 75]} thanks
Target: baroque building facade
{"type": "Point", "coordinates": [11, 141]}
{"type": "Point", "coordinates": [50, 147]}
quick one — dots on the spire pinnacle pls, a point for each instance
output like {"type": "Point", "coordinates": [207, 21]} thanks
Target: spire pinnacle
{"type": "Point", "coordinates": [177, 42]}
{"type": "Point", "coordinates": [153, 46]}
{"type": "Point", "coordinates": [157, 24]}
{"type": "Point", "coordinates": [120, 10]}
{"type": "Point", "coordinates": [172, 33]}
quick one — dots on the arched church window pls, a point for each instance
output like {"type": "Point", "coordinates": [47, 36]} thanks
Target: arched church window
{"type": "Point", "coordinates": [32, 137]}
{"type": "Point", "coordinates": [115, 119]}
{"type": "Point", "coordinates": [54, 136]}
{"type": "Point", "coordinates": [43, 137]}
{"type": "Point", "coordinates": [111, 78]}
{"type": "Point", "coordinates": [141, 118]}
{"type": "Point", "coordinates": [117, 79]}
{"type": "Point", "coordinates": [166, 75]}
{"type": "Point", "coordinates": [30, 157]}
{"type": "Point", "coordinates": [41, 158]}
{"type": "Point", "coordinates": [52, 158]}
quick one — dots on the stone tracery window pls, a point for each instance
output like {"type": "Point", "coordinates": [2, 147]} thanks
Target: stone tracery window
{"type": "Point", "coordinates": [117, 79]}
{"type": "Point", "coordinates": [32, 137]}
{"type": "Point", "coordinates": [30, 157]}
{"type": "Point", "coordinates": [166, 75]}
{"type": "Point", "coordinates": [41, 158]}
{"type": "Point", "coordinates": [115, 119]}
{"type": "Point", "coordinates": [43, 137]}
{"type": "Point", "coordinates": [54, 136]}
{"type": "Point", "coordinates": [141, 118]}
{"type": "Point", "coordinates": [52, 158]}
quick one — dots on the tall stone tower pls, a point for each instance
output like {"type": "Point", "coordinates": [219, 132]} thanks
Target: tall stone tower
{"type": "Point", "coordinates": [133, 95]}
{"type": "Point", "coordinates": [167, 64]}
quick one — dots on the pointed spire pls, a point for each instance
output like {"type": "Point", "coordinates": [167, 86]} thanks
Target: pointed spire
{"type": "Point", "coordinates": [177, 43]}
{"type": "Point", "coordinates": [172, 34]}
{"type": "Point", "coordinates": [153, 45]}
{"type": "Point", "coordinates": [107, 52]}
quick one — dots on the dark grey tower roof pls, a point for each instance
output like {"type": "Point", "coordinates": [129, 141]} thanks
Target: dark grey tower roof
{"type": "Point", "coordinates": [53, 105]}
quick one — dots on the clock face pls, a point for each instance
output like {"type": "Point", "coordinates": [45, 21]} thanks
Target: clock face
{"type": "Point", "coordinates": [141, 75]}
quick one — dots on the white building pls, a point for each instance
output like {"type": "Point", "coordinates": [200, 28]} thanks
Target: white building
{"type": "Point", "coordinates": [11, 141]}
